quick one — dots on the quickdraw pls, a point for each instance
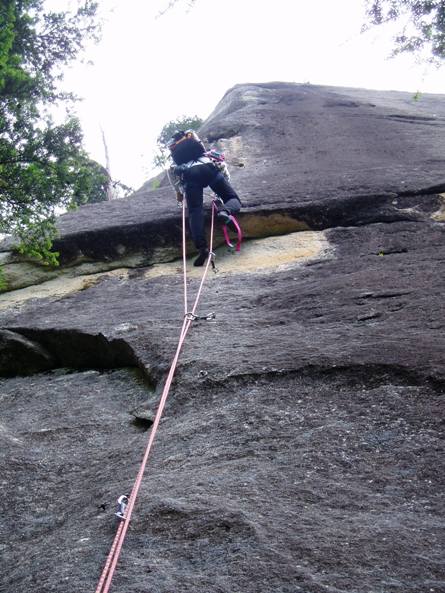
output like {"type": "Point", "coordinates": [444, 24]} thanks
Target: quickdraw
{"type": "Point", "coordinates": [122, 501]}
{"type": "Point", "coordinates": [193, 317]}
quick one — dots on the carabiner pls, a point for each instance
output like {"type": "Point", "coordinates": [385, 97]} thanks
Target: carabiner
{"type": "Point", "coordinates": [122, 501]}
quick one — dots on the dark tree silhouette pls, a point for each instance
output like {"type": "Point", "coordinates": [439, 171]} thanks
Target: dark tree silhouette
{"type": "Point", "coordinates": [422, 25]}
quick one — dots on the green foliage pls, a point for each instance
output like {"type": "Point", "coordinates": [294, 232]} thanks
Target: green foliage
{"type": "Point", "coordinates": [423, 28]}
{"type": "Point", "coordinates": [3, 283]}
{"type": "Point", "coordinates": [91, 184]}
{"type": "Point", "coordinates": [181, 123]}
{"type": "Point", "coordinates": [37, 239]}
{"type": "Point", "coordinates": [42, 165]}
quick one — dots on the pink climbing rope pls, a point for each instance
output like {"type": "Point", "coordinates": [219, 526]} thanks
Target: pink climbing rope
{"type": "Point", "coordinates": [238, 232]}
{"type": "Point", "coordinates": [113, 556]}
{"type": "Point", "coordinates": [184, 257]}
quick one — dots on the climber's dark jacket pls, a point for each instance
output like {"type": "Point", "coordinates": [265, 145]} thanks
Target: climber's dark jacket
{"type": "Point", "coordinates": [190, 180]}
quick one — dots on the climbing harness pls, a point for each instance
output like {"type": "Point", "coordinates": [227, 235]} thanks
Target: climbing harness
{"type": "Point", "coordinates": [217, 201]}
{"type": "Point", "coordinates": [126, 503]}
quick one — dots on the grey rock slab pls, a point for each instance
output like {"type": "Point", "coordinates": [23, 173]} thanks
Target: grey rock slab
{"type": "Point", "coordinates": [299, 145]}
{"type": "Point", "coordinates": [70, 431]}
{"type": "Point", "coordinates": [314, 482]}
{"type": "Point", "coordinates": [308, 141]}
{"type": "Point", "coordinates": [301, 448]}
{"type": "Point", "coordinates": [322, 313]}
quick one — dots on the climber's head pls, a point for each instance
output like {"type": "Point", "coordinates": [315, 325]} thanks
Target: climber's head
{"type": "Point", "coordinates": [178, 135]}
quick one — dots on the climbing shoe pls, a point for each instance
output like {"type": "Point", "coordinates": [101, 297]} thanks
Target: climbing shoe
{"type": "Point", "coordinates": [202, 257]}
{"type": "Point", "coordinates": [224, 217]}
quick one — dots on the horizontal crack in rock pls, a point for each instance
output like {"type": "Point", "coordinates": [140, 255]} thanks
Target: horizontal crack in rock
{"type": "Point", "coordinates": [25, 351]}
{"type": "Point", "coordinates": [327, 214]}
{"type": "Point", "coordinates": [368, 375]}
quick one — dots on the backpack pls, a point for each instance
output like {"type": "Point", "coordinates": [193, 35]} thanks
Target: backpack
{"type": "Point", "coordinates": [185, 147]}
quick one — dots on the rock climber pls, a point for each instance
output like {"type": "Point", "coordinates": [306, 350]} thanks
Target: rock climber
{"type": "Point", "coordinates": [194, 169]}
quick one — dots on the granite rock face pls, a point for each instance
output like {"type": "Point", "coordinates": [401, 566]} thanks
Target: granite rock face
{"type": "Point", "coordinates": [301, 449]}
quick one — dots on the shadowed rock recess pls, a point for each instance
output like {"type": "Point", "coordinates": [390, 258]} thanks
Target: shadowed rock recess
{"type": "Point", "coordinates": [301, 449]}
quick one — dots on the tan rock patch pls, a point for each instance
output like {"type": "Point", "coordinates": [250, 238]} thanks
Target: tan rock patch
{"type": "Point", "coordinates": [257, 256]}
{"type": "Point", "coordinates": [58, 287]}
{"type": "Point", "coordinates": [276, 224]}
{"type": "Point", "coordinates": [439, 215]}
{"type": "Point", "coordinates": [260, 255]}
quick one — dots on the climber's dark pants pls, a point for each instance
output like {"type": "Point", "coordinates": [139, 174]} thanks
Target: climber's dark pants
{"type": "Point", "coordinates": [195, 180]}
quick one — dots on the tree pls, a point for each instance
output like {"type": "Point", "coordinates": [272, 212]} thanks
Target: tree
{"type": "Point", "coordinates": [92, 184]}
{"type": "Point", "coordinates": [108, 188]}
{"type": "Point", "coordinates": [422, 25]}
{"type": "Point", "coordinates": [181, 123]}
{"type": "Point", "coordinates": [42, 165]}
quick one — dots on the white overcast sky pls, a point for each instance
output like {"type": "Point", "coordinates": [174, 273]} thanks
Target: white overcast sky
{"type": "Point", "coordinates": [147, 70]}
